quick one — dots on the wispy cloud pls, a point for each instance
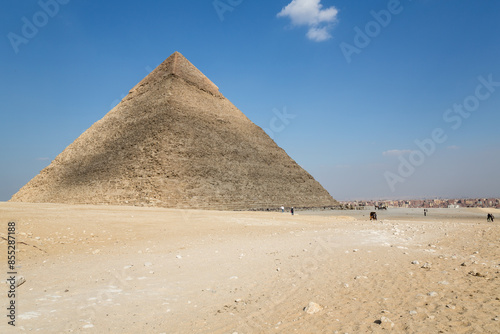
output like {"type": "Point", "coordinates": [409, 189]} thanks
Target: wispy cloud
{"type": "Point", "coordinates": [392, 153]}
{"type": "Point", "coordinates": [453, 147]}
{"type": "Point", "coordinates": [310, 13]}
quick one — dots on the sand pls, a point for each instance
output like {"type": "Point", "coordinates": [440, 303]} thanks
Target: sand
{"type": "Point", "coordinates": [110, 269]}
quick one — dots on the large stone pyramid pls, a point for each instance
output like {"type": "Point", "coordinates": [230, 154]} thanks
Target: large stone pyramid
{"type": "Point", "coordinates": [175, 141]}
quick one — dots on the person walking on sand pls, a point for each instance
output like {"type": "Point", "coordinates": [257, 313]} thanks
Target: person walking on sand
{"type": "Point", "coordinates": [291, 210]}
{"type": "Point", "coordinates": [282, 209]}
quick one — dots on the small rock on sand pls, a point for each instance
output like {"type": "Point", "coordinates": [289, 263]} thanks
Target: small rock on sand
{"type": "Point", "coordinates": [385, 322]}
{"type": "Point", "coordinates": [312, 308]}
{"type": "Point", "coordinates": [475, 273]}
{"type": "Point", "coordinates": [20, 280]}
{"type": "Point", "coordinates": [427, 265]}
{"type": "Point", "coordinates": [360, 277]}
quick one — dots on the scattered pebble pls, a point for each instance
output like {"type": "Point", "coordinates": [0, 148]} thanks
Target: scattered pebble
{"type": "Point", "coordinates": [385, 322]}
{"type": "Point", "coordinates": [427, 265]}
{"type": "Point", "coordinates": [415, 262]}
{"type": "Point", "coordinates": [432, 294]}
{"type": "Point", "coordinates": [475, 273]}
{"type": "Point", "coordinates": [20, 280]}
{"type": "Point", "coordinates": [312, 308]}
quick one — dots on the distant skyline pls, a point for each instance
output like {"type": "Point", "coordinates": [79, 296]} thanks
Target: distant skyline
{"type": "Point", "coordinates": [377, 100]}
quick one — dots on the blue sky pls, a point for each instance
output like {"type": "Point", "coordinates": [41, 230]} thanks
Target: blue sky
{"type": "Point", "coordinates": [361, 83]}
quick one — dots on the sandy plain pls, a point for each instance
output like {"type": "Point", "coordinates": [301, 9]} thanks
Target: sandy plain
{"type": "Point", "coordinates": [110, 269]}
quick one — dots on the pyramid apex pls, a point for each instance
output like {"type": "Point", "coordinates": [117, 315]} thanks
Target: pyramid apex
{"type": "Point", "coordinates": [178, 65]}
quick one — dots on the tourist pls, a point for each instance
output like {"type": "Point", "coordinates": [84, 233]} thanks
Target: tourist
{"type": "Point", "coordinates": [291, 210]}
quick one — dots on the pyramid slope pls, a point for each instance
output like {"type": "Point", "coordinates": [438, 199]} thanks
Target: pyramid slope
{"type": "Point", "coordinates": [175, 141]}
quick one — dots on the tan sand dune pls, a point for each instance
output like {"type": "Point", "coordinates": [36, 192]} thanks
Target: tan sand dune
{"type": "Point", "coordinates": [110, 269]}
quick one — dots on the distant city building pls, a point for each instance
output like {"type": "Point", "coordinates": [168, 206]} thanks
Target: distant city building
{"type": "Point", "coordinates": [428, 203]}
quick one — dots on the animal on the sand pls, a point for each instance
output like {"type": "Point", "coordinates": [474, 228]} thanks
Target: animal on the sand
{"type": "Point", "coordinates": [490, 217]}
{"type": "Point", "coordinates": [373, 215]}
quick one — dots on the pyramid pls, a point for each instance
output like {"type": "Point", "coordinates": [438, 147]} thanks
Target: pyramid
{"type": "Point", "coordinates": [175, 141]}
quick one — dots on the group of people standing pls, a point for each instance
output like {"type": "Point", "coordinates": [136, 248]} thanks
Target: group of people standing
{"type": "Point", "coordinates": [292, 211]}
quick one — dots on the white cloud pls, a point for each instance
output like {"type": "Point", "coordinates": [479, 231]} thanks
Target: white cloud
{"type": "Point", "coordinates": [318, 34]}
{"type": "Point", "coordinates": [390, 153]}
{"type": "Point", "coordinates": [311, 13]}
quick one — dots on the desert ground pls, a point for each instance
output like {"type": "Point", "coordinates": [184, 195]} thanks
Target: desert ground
{"type": "Point", "coordinates": [112, 269]}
